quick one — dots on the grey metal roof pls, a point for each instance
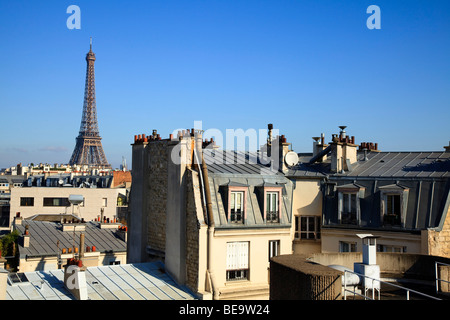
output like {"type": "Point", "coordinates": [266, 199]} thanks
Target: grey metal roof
{"type": "Point", "coordinates": [403, 165]}
{"type": "Point", "coordinates": [385, 164]}
{"type": "Point", "coordinates": [426, 202]}
{"type": "Point", "coordinates": [44, 236]}
{"type": "Point", "coordinates": [236, 162]}
{"type": "Point", "coordinates": [139, 281]}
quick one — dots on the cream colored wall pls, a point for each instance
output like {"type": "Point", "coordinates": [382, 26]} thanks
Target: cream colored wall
{"type": "Point", "coordinates": [50, 263]}
{"type": "Point", "coordinates": [332, 237]}
{"type": "Point", "coordinates": [92, 204]}
{"type": "Point", "coordinates": [307, 201]}
{"type": "Point", "coordinates": [258, 259]}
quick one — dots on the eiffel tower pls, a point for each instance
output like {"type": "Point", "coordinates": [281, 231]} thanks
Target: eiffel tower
{"type": "Point", "coordinates": [88, 149]}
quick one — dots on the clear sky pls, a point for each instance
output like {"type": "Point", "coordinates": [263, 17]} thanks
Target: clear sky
{"type": "Point", "coordinates": [305, 66]}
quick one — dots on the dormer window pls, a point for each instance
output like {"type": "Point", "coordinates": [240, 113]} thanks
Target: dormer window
{"type": "Point", "coordinates": [272, 206]}
{"type": "Point", "coordinates": [235, 201]}
{"type": "Point", "coordinates": [349, 211]}
{"type": "Point", "coordinates": [270, 196]}
{"type": "Point", "coordinates": [236, 206]}
{"type": "Point", "coordinates": [393, 205]}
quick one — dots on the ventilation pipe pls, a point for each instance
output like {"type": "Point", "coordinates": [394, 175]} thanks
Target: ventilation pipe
{"type": "Point", "coordinates": [215, 294]}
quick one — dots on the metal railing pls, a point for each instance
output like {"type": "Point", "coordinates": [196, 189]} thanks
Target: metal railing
{"type": "Point", "coordinates": [437, 279]}
{"type": "Point", "coordinates": [408, 290]}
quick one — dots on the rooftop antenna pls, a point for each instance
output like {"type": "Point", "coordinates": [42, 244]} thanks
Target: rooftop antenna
{"type": "Point", "coordinates": [91, 44]}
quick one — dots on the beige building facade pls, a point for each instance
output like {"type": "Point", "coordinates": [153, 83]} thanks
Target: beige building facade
{"type": "Point", "coordinates": [29, 201]}
{"type": "Point", "coordinates": [219, 224]}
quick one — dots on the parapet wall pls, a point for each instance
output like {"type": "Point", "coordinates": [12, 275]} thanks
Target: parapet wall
{"type": "Point", "coordinates": [292, 277]}
{"type": "Point", "coordinates": [308, 277]}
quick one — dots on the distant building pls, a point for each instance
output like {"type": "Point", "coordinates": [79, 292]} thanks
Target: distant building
{"type": "Point", "coordinates": [46, 242]}
{"type": "Point", "coordinates": [51, 194]}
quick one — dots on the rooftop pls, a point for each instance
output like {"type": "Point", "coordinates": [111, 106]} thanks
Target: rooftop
{"type": "Point", "coordinates": [432, 164]}
{"type": "Point", "coordinates": [139, 281]}
{"type": "Point", "coordinates": [44, 236]}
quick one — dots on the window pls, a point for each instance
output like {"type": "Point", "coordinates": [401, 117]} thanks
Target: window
{"type": "Point", "coordinates": [390, 248]}
{"type": "Point", "coordinates": [26, 202]}
{"type": "Point", "coordinates": [348, 210]}
{"type": "Point", "coordinates": [272, 207]}
{"type": "Point", "coordinates": [274, 248]}
{"type": "Point", "coordinates": [393, 213]}
{"type": "Point", "coordinates": [347, 246]}
{"type": "Point", "coordinates": [104, 202]}
{"type": "Point", "coordinates": [307, 227]}
{"type": "Point", "coordinates": [237, 206]}
{"type": "Point", "coordinates": [394, 199]}
{"type": "Point", "coordinates": [56, 202]}
{"type": "Point", "coordinates": [237, 261]}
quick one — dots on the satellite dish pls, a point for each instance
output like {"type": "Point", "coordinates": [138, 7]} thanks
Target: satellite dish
{"type": "Point", "coordinates": [291, 158]}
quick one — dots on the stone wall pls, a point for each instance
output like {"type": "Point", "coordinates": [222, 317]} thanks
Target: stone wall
{"type": "Point", "coordinates": [437, 243]}
{"type": "Point", "coordinates": [157, 153]}
{"type": "Point", "coordinates": [192, 234]}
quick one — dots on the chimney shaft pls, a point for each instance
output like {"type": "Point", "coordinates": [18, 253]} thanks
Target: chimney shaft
{"type": "Point", "coordinates": [82, 247]}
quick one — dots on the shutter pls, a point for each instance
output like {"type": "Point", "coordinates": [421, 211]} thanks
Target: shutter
{"type": "Point", "coordinates": [237, 255]}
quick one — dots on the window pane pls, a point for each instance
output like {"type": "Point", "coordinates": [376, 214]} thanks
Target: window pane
{"type": "Point", "coordinates": [238, 200]}
{"type": "Point", "coordinates": [274, 202]}
{"type": "Point", "coordinates": [232, 200]}
{"type": "Point", "coordinates": [353, 203]}
{"type": "Point", "coordinates": [303, 222]}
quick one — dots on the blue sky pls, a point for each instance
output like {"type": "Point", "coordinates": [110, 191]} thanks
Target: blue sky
{"type": "Point", "coordinates": [305, 66]}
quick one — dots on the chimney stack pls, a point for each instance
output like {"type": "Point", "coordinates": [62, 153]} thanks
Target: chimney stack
{"type": "Point", "coordinates": [447, 148]}
{"type": "Point", "coordinates": [343, 151]}
{"type": "Point", "coordinates": [269, 140]}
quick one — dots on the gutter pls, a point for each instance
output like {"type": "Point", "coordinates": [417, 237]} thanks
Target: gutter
{"type": "Point", "coordinates": [210, 222]}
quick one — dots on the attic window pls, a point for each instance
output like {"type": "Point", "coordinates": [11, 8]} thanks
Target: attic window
{"type": "Point", "coordinates": [272, 206]}
{"type": "Point", "coordinates": [393, 205]}
{"type": "Point", "coordinates": [236, 204]}
{"type": "Point", "coordinates": [349, 210]}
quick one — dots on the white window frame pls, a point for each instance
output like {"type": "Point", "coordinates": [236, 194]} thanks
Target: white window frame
{"type": "Point", "coordinates": [272, 216]}
{"type": "Point", "coordinates": [238, 256]}
{"type": "Point", "coordinates": [233, 203]}
{"type": "Point", "coordinates": [274, 248]}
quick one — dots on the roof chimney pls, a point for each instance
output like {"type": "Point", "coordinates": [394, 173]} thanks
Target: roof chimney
{"type": "Point", "coordinates": [447, 148]}
{"type": "Point", "coordinates": [75, 279]}
{"type": "Point", "coordinates": [343, 151]}
{"type": "Point", "coordinates": [26, 237]}
{"type": "Point", "coordinates": [269, 139]}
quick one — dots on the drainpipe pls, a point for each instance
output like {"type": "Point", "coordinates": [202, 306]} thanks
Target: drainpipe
{"type": "Point", "coordinates": [215, 293]}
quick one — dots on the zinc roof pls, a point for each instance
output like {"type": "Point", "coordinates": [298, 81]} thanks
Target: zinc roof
{"type": "Point", "coordinates": [44, 236]}
{"type": "Point", "coordinates": [139, 281]}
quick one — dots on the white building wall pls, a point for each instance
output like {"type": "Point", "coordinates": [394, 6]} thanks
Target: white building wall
{"type": "Point", "coordinates": [91, 209]}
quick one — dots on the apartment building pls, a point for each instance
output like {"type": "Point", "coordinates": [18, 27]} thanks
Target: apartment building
{"type": "Point", "coordinates": [215, 223]}
{"type": "Point", "coordinates": [88, 197]}
{"type": "Point", "coordinates": [402, 197]}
